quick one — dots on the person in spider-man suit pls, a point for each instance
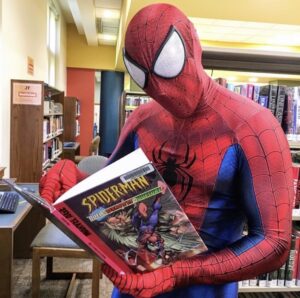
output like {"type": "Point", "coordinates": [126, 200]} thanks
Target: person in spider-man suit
{"type": "Point", "coordinates": [225, 158]}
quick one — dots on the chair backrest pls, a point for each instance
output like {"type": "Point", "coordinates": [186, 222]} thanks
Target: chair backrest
{"type": "Point", "coordinates": [92, 164]}
{"type": "Point", "coordinates": [94, 146]}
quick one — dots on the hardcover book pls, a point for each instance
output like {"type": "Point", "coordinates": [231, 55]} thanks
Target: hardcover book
{"type": "Point", "coordinates": [125, 215]}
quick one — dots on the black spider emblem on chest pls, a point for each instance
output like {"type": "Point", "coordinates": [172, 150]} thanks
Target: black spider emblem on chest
{"type": "Point", "coordinates": [174, 171]}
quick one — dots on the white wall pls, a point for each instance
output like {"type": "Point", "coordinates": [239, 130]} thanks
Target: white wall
{"type": "Point", "coordinates": [23, 33]}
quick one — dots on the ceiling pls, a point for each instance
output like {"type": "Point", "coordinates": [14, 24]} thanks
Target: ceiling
{"type": "Point", "coordinates": [270, 25]}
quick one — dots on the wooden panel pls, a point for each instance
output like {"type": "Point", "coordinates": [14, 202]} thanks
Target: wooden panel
{"type": "Point", "coordinates": [70, 119]}
{"type": "Point", "coordinates": [6, 244]}
{"type": "Point", "coordinates": [26, 140]}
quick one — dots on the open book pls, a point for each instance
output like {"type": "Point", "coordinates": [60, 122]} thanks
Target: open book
{"type": "Point", "coordinates": [125, 215]}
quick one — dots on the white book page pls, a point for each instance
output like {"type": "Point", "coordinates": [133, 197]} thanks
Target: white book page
{"type": "Point", "coordinates": [125, 164]}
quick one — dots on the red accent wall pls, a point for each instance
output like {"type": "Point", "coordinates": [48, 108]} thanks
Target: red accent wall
{"type": "Point", "coordinates": [81, 84]}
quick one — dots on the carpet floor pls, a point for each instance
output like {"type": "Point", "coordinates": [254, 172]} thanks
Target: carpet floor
{"type": "Point", "coordinates": [56, 288]}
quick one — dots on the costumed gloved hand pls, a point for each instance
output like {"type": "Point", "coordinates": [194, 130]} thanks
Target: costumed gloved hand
{"type": "Point", "coordinates": [150, 284]}
{"type": "Point", "coordinates": [61, 177]}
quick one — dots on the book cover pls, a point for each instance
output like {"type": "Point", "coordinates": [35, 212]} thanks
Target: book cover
{"type": "Point", "coordinates": [127, 216]}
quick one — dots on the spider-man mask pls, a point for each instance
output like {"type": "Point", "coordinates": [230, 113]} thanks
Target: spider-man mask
{"type": "Point", "coordinates": [163, 56]}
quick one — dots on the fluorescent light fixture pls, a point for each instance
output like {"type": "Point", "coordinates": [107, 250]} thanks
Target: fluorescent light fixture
{"type": "Point", "coordinates": [107, 13]}
{"type": "Point", "coordinates": [107, 37]}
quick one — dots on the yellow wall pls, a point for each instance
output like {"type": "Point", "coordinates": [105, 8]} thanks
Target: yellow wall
{"type": "Point", "coordinates": [270, 11]}
{"type": "Point", "coordinates": [80, 55]}
{"type": "Point", "coordinates": [23, 33]}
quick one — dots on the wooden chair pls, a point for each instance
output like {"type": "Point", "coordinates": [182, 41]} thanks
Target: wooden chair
{"type": "Point", "coordinates": [93, 149]}
{"type": "Point", "coordinates": [51, 242]}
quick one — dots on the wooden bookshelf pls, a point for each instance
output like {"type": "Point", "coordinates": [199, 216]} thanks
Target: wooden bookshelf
{"type": "Point", "coordinates": [29, 99]}
{"type": "Point", "coordinates": [71, 118]}
{"type": "Point", "coordinates": [129, 102]}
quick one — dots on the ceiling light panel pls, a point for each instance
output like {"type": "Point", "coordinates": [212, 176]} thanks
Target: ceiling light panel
{"type": "Point", "coordinates": [109, 4]}
{"type": "Point", "coordinates": [249, 32]}
{"type": "Point", "coordinates": [107, 13]}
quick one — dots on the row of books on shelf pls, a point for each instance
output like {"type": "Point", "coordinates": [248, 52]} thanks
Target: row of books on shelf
{"type": "Point", "coordinates": [136, 100]}
{"type": "Point", "coordinates": [281, 100]}
{"type": "Point", "coordinates": [52, 127]}
{"type": "Point", "coordinates": [52, 150]}
{"type": "Point", "coordinates": [288, 275]}
{"type": "Point", "coordinates": [51, 107]}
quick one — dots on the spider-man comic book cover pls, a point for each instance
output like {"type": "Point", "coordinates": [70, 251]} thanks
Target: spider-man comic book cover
{"type": "Point", "coordinates": [138, 219]}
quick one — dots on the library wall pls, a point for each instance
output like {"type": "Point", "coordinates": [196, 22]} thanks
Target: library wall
{"type": "Point", "coordinates": [23, 35]}
{"type": "Point", "coordinates": [80, 54]}
{"type": "Point", "coordinates": [81, 84]}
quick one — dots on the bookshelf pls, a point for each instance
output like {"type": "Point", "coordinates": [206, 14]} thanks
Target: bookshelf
{"type": "Point", "coordinates": [130, 100]}
{"type": "Point", "coordinates": [36, 128]}
{"type": "Point", "coordinates": [71, 119]}
{"type": "Point", "coordinates": [233, 62]}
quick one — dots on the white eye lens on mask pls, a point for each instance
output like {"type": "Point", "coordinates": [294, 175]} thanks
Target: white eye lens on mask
{"type": "Point", "coordinates": [138, 74]}
{"type": "Point", "coordinates": [171, 57]}
{"type": "Point", "coordinates": [168, 63]}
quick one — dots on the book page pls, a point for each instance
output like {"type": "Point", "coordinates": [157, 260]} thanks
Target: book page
{"type": "Point", "coordinates": [126, 164]}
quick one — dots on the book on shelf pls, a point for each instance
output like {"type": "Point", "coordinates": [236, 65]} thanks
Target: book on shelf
{"type": "Point", "coordinates": [280, 100]}
{"type": "Point", "coordinates": [125, 215]}
{"type": "Point", "coordinates": [296, 179]}
{"type": "Point", "coordinates": [287, 121]}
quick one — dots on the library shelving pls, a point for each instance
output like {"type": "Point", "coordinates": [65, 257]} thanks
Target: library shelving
{"type": "Point", "coordinates": [71, 118]}
{"type": "Point", "coordinates": [129, 102]}
{"type": "Point", "coordinates": [36, 128]}
{"type": "Point", "coordinates": [239, 62]}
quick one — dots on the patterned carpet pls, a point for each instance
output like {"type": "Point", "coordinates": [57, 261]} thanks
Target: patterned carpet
{"type": "Point", "coordinates": [55, 288]}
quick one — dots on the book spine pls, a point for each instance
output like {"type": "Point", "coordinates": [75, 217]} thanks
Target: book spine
{"type": "Point", "coordinates": [262, 280]}
{"type": "Point", "coordinates": [297, 116]}
{"type": "Point", "coordinates": [253, 282]}
{"type": "Point", "coordinates": [250, 91]}
{"type": "Point", "coordinates": [89, 237]}
{"type": "Point", "coordinates": [256, 90]}
{"type": "Point", "coordinates": [289, 281]}
{"type": "Point", "coordinates": [281, 275]}
{"type": "Point", "coordinates": [272, 98]}
{"type": "Point", "coordinates": [272, 279]}
{"type": "Point", "coordinates": [280, 103]}
{"type": "Point", "coordinates": [263, 98]}
{"type": "Point", "coordinates": [287, 121]}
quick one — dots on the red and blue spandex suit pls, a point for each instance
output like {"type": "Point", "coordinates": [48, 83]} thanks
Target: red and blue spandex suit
{"type": "Point", "coordinates": [225, 158]}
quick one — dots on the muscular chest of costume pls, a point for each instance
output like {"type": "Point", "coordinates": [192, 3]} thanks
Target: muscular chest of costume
{"type": "Point", "coordinates": [188, 154]}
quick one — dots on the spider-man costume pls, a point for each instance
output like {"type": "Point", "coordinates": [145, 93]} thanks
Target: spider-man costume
{"type": "Point", "coordinates": [225, 158]}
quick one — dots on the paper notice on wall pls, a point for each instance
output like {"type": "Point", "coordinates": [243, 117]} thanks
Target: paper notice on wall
{"type": "Point", "coordinates": [27, 93]}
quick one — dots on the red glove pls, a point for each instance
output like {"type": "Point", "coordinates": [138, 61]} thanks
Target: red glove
{"type": "Point", "coordinates": [61, 177]}
{"type": "Point", "coordinates": [144, 285]}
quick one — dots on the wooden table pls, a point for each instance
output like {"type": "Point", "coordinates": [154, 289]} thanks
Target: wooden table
{"type": "Point", "coordinates": [17, 231]}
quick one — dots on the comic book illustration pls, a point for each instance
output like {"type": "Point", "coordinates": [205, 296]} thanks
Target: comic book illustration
{"type": "Point", "coordinates": [138, 217]}
{"type": "Point", "coordinates": [125, 215]}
